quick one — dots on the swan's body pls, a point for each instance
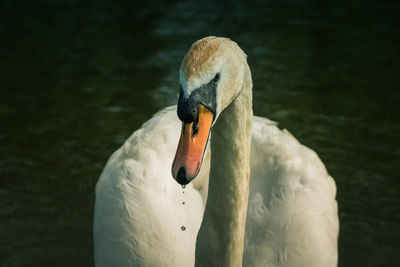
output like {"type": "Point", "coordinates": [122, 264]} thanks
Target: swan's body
{"type": "Point", "coordinates": [291, 209]}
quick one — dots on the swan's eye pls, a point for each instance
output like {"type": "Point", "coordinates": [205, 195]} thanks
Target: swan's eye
{"type": "Point", "coordinates": [216, 78]}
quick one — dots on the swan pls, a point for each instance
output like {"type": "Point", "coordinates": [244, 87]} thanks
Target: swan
{"type": "Point", "coordinates": [244, 192]}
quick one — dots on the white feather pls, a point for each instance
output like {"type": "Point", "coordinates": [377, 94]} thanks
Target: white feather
{"type": "Point", "coordinates": [292, 212]}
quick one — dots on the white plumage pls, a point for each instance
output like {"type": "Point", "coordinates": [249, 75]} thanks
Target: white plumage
{"type": "Point", "coordinates": [143, 217]}
{"type": "Point", "coordinates": [139, 211]}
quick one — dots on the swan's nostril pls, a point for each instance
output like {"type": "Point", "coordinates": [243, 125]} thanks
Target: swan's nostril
{"type": "Point", "coordinates": [181, 176]}
{"type": "Point", "coordinates": [195, 127]}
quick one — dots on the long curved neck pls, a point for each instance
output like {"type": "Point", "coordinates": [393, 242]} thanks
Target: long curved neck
{"type": "Point", "coordinates": [221, 235]}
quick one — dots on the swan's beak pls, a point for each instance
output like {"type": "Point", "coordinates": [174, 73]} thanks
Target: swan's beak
{"type": "Point", "coordinates": [192, 146]}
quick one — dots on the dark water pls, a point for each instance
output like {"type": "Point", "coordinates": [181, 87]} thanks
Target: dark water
{"type": "Point", "coordinates": [77, 78]}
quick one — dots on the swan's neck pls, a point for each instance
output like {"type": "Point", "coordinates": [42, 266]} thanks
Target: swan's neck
{"type": "Point", "coordinates": [221, 235]}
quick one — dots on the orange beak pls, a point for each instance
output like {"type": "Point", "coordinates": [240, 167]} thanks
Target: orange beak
{"type": "Point", "coordinates": [191, 147]}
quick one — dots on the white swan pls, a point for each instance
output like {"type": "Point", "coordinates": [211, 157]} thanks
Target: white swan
{"type": "Point", "coordinates": [143, 217]}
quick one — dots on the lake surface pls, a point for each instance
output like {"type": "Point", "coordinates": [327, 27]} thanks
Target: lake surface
{"type": "Point", "coordinates": [76, 79]}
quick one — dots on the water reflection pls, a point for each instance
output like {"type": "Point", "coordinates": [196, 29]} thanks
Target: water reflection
{"type": "Point", "coordinates": [77, 78]}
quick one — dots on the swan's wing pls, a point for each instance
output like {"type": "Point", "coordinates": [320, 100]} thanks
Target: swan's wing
{"type": "Point", "coordinates": [292, 214]}
{"type": "Point", "coordinates": [139, 208]}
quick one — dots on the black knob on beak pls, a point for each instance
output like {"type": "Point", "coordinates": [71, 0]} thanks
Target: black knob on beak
{"type": "Point", "coordinates": [187, 108]}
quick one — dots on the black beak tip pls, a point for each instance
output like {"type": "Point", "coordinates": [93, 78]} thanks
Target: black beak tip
{"type": "Point", "coordinates": [181, 177]}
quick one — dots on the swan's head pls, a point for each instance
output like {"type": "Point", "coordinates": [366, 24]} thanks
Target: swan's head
{"type": "Point", "coordinates": [211, 76]}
